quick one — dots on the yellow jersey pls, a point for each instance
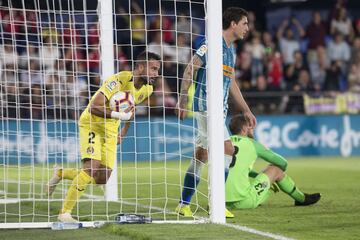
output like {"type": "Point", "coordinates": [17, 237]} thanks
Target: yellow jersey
{"type": "Point", "coordinates": [121, 81]}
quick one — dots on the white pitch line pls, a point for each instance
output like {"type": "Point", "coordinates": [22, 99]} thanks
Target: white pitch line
{"type": "Point", "coordinates": [203, 220]}
{"type": "Point", "coordinates": [198, 219]}
{"type": "Point", "coordinates": [257, 232]}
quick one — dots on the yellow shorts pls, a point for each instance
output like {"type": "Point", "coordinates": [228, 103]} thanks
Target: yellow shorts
{"type": "Point", "coordinates": [97, 145]}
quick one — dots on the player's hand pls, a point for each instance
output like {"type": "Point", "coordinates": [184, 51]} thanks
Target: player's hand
{"type": "Point", "coordinates": [250, 118]}
{"type": "Point", "coordinates": [132, 110]}
{"type": "Point", "coordinates": [275, 188]}
{"type": "Point", "coordinates": [180, 109]}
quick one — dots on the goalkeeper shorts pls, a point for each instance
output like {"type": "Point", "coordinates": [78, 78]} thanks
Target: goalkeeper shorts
{"type": "Point", "coordinates": [257, 194]}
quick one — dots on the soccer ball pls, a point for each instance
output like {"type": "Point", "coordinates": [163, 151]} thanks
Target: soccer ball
{"type": "Point", "coordinates": [121, 101]}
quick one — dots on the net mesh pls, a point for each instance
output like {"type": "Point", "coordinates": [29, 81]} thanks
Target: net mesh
{"type": "Point", "coordinates": [50, 66]}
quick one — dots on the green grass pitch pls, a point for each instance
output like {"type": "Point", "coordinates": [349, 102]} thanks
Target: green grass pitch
{"type": "Point", "coordinates": [336, 216]}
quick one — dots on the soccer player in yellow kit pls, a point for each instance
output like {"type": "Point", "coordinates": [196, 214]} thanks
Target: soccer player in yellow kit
{"type": "Point", "coordinates": [98, 130]}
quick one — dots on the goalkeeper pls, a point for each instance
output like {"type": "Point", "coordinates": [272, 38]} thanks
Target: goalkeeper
{"type": "Point", "coordinates": [243, 194]}
{"type": "Point", "coordinates": [98, 130]}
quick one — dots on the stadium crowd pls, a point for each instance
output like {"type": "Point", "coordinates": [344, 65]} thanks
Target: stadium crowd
{"type": "Point", "coordinates": [50, 67]}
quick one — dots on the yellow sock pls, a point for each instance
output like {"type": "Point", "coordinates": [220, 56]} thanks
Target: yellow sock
{"type": "Point", "coordinates": [68, 173]}
{"type": "Point", "coordinates": [77, 188]}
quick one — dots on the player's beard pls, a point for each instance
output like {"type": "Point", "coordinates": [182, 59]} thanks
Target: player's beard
{"type": "Point", "coordinates": [147, 80]}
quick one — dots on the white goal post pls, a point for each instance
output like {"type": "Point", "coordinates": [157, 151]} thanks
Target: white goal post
{"type": "Point", "coordinates": [54, 55]}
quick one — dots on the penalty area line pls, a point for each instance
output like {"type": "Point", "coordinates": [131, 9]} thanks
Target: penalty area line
{"type": "Point", "coordinates": [257, 232]}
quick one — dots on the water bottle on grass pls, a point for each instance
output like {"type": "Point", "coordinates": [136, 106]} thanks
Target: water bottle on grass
{"type": "Point", "coordinates": [65, 225]}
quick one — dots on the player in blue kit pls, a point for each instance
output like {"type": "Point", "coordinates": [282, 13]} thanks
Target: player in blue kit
{"type": "Point", "coordinates": [235, 26]}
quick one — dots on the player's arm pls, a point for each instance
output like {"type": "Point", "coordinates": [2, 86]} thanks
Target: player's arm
{"type": "Point", "coordinates": [240, 102]}
{"type": "Point", "coordinates": [123, 132]}
{"type": "Point", "coordinates": [189, 73]}
{"type": "Point", "coordinates": [98, 108]}
{"type": "Point", "coordinates": [269, 156]}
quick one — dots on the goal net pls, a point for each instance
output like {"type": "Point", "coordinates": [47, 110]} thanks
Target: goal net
{"type": "Point", "coordinates": [54, 55]}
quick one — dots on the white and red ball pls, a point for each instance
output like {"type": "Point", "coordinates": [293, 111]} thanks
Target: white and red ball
{"type": "Point", "coordinates": [121, 101]}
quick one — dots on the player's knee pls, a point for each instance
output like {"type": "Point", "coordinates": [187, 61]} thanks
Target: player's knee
{"type": "Point", "coordinates": [279, 174]}
{"type": "Point", "coordinates": [201, 155]}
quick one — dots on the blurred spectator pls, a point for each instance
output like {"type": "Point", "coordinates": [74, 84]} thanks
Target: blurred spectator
{"type": "Point", "coordinates": [9, 77]}
{"type": "Point", "coordinates": [339, 50]}
{"type": "Point", "coordinates": [318, 65]}
{"type": "Point", "coordinates": [48, 53]}
{"type": "Point", "coordinates": [243, 69]}
{"type": "Point", "coordinates": [138, 28]}
{"type": "Point", "coordinates": [50, 34]}
{"type": "Point", "coordinates": [316, 34]}
{"type": "Point", "coordinates": [77, 92]}
{"type": "Point", "coordinates": [357, 28]}
{"type": "Point", "coordinates": [55, 95]}
{"type": "Point", "coordinates": [12, 22]}
{"type": "Point", "coordinates": [263, 101]}
{"type": "Point", "coordinates": [33, 103]}
{"type": "Point", "coordinates": [302, 85]}
{"type": "Point", "coordinates": [122, 36]}
{"type": "Point", "coordinates": [31, 26]}
{"type": "Point", "coordinates": [161, 48]}
{"type": "Point", "coordinates": [72, 55]}
{"type": "Point", "coordinates": [268, 42]}
{"type": "Point", "coordinates": [94, 59]}
{"type": "Point", "coordinates": [275, 71]}
{"type": "Point", "coordinates": [70, 35]}
{"type": "Point", "coordinates": [293, 70]}
{"type": "Point", "coordinates": [94, 35]}
{"type": "Point", "coordinates": [186, 27]}
{"type": "Point", "coordinates": [355, 51]}
{"type": "Point", "coordinates": [10, 101]}
{"type": "Point", "coordinates": [254, 26]}
{"type": "Point", "coordinates": [333, 77]}
{"type": "Point", "coordinates": [354, 79]}
{"type": "Point", "coordinates": [8, 55]}
{"type": "Point", "coordinates": [122, 61]}
{"type": "Point", "coordinates": [257, 51]}
{"type": "Point", "coordinates": [341, 23]}
{"type": "Point", "coordinates": [165, 24]}
{"type": "Point", "coordinates": [289, 44]}
{"type": "Point", "coordinates": [31, 75]}
{"type": "Point", "coordinates": [183, 52]}
{"type": "Point", "coordinates": [171, 82]}
{"type": "Point", "coordinates": [30, 54]}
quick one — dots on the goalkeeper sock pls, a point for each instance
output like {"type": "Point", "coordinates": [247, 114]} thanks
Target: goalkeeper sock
{"type": "Point", "coordinates": [68, 173]}
{"type": "Point", "coordinates": [77, 188]}
{"type": "Point", "coordinates": [191, 180]}
{"type": "Point", "coordinates": [228, 160]}
{"type": "Point", "coordinates": [287, 185]}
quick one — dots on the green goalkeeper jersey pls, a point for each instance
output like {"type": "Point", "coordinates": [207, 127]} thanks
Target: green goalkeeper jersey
{"type": "Point", "coordinates": [247, 150]}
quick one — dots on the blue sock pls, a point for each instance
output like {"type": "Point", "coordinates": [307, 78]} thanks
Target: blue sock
{"type": "Point", "coordinates": [191, 180]}
{"type": "Point", "coordinates": [190, 185]}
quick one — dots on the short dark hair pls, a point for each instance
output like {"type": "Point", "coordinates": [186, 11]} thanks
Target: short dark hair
{"type": "Point", "coordinates": [233, 14]}
{"type": "Point", "coordinates": [236, 124]}
{"type": "Point", "coordinates": [145, 56]}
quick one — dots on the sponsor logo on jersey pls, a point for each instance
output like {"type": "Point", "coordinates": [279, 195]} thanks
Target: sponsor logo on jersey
{"type": "Point", "coordinates": [111, 85]}
{"type": "Point", "coordinates": [141, 97]}
{"type": "Point", "coordinates": [202, 50]}
{"type": "Point", "coordinates": [90, 150]}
